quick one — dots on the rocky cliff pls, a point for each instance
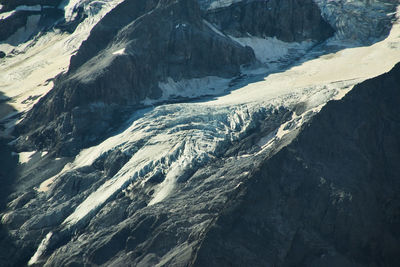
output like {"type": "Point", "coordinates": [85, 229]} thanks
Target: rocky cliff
{"type": "Point", "coordinates": [290, 21]}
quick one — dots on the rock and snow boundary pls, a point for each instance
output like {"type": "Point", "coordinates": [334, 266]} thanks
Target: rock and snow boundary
{"type": "Point", "coordinates": [180, 138]}
{"type": "Point", "coordinates": [167, 143]}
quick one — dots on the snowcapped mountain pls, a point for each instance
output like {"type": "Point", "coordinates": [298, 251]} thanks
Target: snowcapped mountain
{"type": "Point", "coordinates": [199, 133]}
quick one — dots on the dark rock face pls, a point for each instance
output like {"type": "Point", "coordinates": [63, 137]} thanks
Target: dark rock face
{"type": "Point", "coordinates": [330, 198]}
{"type": "Point", "coordinates": [290, 20]}
{"type": "Point", "coordinates": [8, 173]}
{"type": "Point", "coordinates": [10, 25]}
{"type": "Point", "coordinates": [159, 40]}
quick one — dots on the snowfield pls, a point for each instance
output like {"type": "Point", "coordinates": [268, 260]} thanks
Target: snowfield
{"type": "Point", "coordinates": [170, 142]}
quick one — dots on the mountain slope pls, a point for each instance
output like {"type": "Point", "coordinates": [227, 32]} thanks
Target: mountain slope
{"type": "Point", "coordinates": [330, 198]}
{"type": "Point", "coordinates": [162, 42]}
{"type": "Point", "coordinates": [156, 133]}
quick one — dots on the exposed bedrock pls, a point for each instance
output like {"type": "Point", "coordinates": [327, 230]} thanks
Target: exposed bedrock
{"type": "Point", "coordinates": [289, 21]}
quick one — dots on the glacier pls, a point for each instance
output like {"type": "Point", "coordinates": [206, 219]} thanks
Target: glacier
{"type": "Point", "coordinates": [167, 143]}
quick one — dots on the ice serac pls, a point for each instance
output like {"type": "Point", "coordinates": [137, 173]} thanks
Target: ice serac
{"type": "Point", "coordinates": [330, 198]}
{"type": "Point", "coordinates": [359, 21]}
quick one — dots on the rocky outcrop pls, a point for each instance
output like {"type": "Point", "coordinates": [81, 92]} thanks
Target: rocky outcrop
{"type": "Point", "coordinates": [10, 25]}
{"type": "Point", "coordinates": [330, 198]}
{"type": "Point", "coordinates": [289, 21]}
{"type": "Point", "coordinates": [8, 173]}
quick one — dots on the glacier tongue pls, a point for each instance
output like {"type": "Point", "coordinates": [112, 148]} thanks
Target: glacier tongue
{"type": "Point", "coordinates": [176, 140]}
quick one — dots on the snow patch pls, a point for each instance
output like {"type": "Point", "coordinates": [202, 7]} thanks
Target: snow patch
{"type": "Point", "coordinates": [41, 249]}
{"type": "Point", "coordinates": [221, 3]}
{"type": "Point", "coordinates": [25, 157]}
{"type": "Point", "coordinates": [119, 52]}
{"type": "Point", "coordinates": [269, 50]}
{"type": "Point", "coordinates": [177, 26]}
{"type": "Point", "coordinates": [45, 186]}
{"type": "Point", "coordinates": [5, 15]}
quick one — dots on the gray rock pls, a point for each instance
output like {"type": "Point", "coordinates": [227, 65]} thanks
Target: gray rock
{"type": "Point", "coordinates": [290, 20]}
